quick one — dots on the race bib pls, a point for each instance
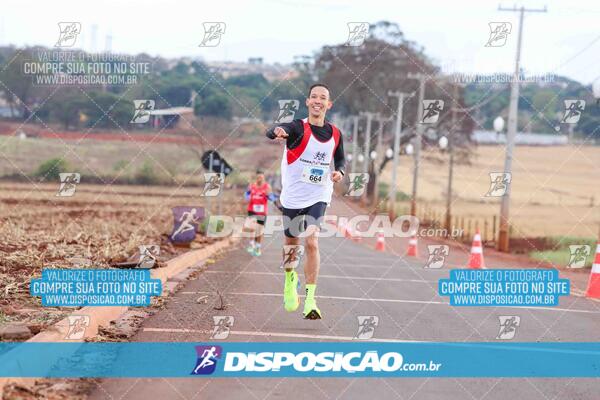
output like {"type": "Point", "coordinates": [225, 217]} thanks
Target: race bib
{"type": "Point", "coordinates": [258, 208]}
{"type": "Point", "coordinates": [315, 175]}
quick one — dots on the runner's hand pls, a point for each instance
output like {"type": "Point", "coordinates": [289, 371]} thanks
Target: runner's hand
{"type": "Point", "coordinates": [336, 176]}
{"type": "Point", "coordinates": [280, 133]}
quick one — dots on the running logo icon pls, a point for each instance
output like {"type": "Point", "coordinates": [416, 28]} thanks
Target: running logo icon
{"type": "Point", "coordinates": [508, 326]}
{"type": "Point", "coordinates": [366, 326]}
{"type": "Point", "coordinates": [141, 114]}
{"type": "Point", "coordinates": [357, 33]}
{"type": "Point", "coordinates": [68, 34]}
{"type": "Point", "coordinates": [212, 184]}
{"type": "Point", "coordinates": [212, 34]}
{"type": "Point", "coordinates": [287, 110]}
{"type": "Point", "coordinates": [77, 326]}
{"type": "Point", "coordinates": [319, 156]}
{"type": "Point", "coordinates": [185, 223]}
{"type": "Point", "coordinates": [431, 111]}
{"type": "Point", "coordinates": [499, 32]}
{"type": "Point", "coordinates": [207, 359]}
{"type": "Point", "coordinates": [148, 254]}
{"type": "Point", "coordinates": [68, 183]}
{"type": "Point", "coordinates": [223, 324]}
{"type": "Point", "coordinates": [437, 255]}
{"type": "Point", "coordinates": [499, 182]}
{"type": "Point", "coordinates": [573, 110]}
{"type": "Point", "coordinates": [358, 183]}
{"type": "Point", "coordinates": [292, 254]}
{"type": "Point", "coordinates": [579, 255]}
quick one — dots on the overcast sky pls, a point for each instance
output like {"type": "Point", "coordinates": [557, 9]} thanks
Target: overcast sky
{"type": "Point", "coordinates": [564, 41]}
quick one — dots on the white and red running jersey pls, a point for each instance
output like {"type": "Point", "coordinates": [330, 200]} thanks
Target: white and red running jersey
{"type": "Point", "coordinates": [306, 170]}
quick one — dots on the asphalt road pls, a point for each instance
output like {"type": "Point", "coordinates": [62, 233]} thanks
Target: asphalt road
{"type": "Point", "coordinates": [354, 281]}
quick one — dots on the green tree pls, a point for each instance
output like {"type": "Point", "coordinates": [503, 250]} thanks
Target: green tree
{"type": "Point", "coordinates": [17, 88]}
{"type": "Point", "coordinates": [50, 169]}
{"type": "Point", "coordinates": [64, 107]}
{"type": "Point", "coordinates": [217, 105]}
{"type": "Point", "coordinates": [107, 110]}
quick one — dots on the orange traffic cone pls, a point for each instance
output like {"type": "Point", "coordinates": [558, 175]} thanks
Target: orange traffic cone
{"type": "Point", "coordinates": [593, 289]}
{"type": "Point", "coordinates": [476, 256]}
{"type": "Point", "coordinates": [380, 245]}
{"type": "Point", "coordinates": [412, 246]}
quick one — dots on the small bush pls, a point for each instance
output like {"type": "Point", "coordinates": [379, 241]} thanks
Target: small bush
{"type": "Point", "coordinates": [146, 174]}
{"type": "Point", "coordinates": [50, 169]}
{"type": "Point", "coordinates": [384, 190]}
{"type": "Point", "coordinates": [120, 165]}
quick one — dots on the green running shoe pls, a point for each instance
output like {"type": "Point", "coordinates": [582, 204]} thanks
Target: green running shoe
{"type": "Point", "coordinates": [290, 292]}
{"type": "Point", "coordinates": [250, 249]}
{"type": "Point", "coordinates": [257, 252]}
{"type": "Point", "coordinates": [311, 311]}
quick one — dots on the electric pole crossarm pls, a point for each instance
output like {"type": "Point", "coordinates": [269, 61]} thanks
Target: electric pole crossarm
{"type": "Point", "coordinates": [514, 9]}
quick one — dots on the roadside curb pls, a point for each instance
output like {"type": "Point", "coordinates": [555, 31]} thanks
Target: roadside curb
{"type": "Point", "coordinates": [99, 316]}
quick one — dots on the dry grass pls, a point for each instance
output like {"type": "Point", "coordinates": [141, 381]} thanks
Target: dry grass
{"type": "Point", "coordinates": [553, 188]}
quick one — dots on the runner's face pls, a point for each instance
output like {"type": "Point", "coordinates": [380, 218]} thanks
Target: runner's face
{"type": "Point", "coordinates": [260, 178]}
{"type": "Point", "coordinates": [318, 102]}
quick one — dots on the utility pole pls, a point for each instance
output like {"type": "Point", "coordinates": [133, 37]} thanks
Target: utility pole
{"type": "Point", "coordinates": [210, 168]}
{"type": "Point", "coordinates": [221, 168]}
{"type": "Point", "coordinates": [503, 236]}
{"type": "Point", "coordinates": [413, 202]}
{"type": "Point", "coordinates": [451, 136]}
{"type": "Point", "coordinates": [354, 142]}
{"type": "Point", "coordinates": [380, 153]}
{"type": "Point", "coordinates": [397, 133]}
{"type": "Point", "coordinates": [367, 150]}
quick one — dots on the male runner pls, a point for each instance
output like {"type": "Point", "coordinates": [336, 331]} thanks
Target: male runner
{"type": "Point", "coordinates": [307, 186]}
{"type": "Point", "coordinates": [258, 194]}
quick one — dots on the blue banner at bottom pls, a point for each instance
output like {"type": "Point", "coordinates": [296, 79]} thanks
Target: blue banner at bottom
{"type": "Point", "coordinates": [299, 359]}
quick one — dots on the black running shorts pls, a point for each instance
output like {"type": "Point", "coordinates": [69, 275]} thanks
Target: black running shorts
{"type": "Point", "coordinates": [260, 219]}
{"type": "Point", "coordinates": [297, 220]}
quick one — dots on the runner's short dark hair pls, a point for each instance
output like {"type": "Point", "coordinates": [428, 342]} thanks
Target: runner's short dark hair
{"type": "Point", "coordinates": [259, 171]}
{"type": "Point", "coordinates": [318, 84]}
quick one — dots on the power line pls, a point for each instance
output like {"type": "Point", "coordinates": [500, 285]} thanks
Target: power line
{"type": "Point", "coordinates": [578, 53]}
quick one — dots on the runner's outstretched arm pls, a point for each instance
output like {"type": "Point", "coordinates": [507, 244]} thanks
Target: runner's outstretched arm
{"type": "Point", "coordinates": [294, 130]}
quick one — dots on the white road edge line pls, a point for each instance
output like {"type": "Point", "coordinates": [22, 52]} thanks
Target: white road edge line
{"type": "Point", "coordinates": [282, 334]}
{"type": "Point", "coordinates": [324, 276]}
{"type": "Point", "coordinates": [325, 297]}
{"type": "Point", "coordinates": [581, 293]}
{"type": "Point", "coordinates": [392, 301]}
{"type": "Point", "coordinates": [398, 267]}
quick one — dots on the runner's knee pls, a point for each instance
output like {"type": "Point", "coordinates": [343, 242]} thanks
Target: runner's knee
{"type": "Point", "coordinates": [292, 240]}
{"type": "Point", "coordinates": [312, 244]}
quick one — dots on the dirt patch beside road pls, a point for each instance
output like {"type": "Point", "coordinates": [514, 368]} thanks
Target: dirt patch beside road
{"type": "Point", "coordinates": [39, 230]}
